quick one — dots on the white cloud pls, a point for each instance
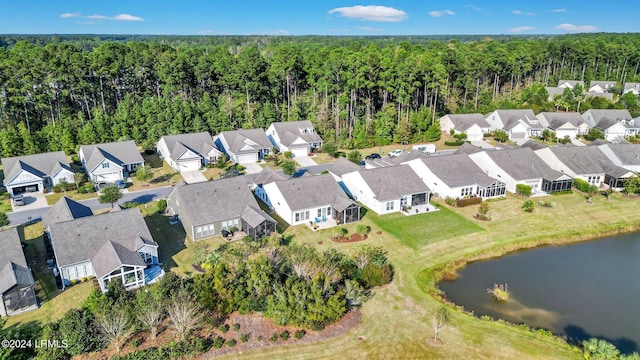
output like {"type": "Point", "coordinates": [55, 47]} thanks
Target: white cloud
{"type": "Point", "coordinates": [369, 28]}
{"type": "Point", "coordinates": [440, 13]}
{"type": "Point", "coordinates": [563, 10]}
{"type": "Point", "coordinates": [97, 17]}
{"type": "Point", "coordinates": [127, 17]}
{"type": "Point", "coordinates": [520, 29]}
{"type": "Point", "coordinates": [69, 15]}
{"type": "Point", "coordinates": [577, 28]}
{"type": "Point", "coordinates": [473, 7]}
{"type": "Point", "coordinates": [520, 12]}
{"type": "Point", "coordinates": [371, 13]}
{"type": "Point", "coordinates": [205, 32]}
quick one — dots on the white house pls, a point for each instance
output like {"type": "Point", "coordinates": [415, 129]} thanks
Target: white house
{"type": "Point", "coordinates": [474, 125]}
{"type": "Point", "coordinates": [632, 87]}
{"type": "Point", "coordinates": [456, 176]}
{"type": "Point", "coordinates": [110, 162]}
{"type": "Point", "coordinates": [598, 86]}
{"type": "Point", "coordinates": [115, 245]}
{"type": "Point", "coordinates": [521, 166]}
{"type": "Point", "coordinates": [39, 171]}
{"type": "Point", "coordinates": [564, 124]}
{"type": "Point", "coordinates": [520, 124]}
{"type": "Point", "coordinates": [187, 152]}
{"type": "Point", "coordinates": [616, 124]}
{"type": "Point", "coordinates": [570, 83]}
{"type": "Point", "coordinates": [387, 189]}
{"type": "Point", "coordinates": [311, 199]}
{"type": "Point", "coordinates": [266, 176]}
{"type": "Point", "coordinates": [244, 146]}
{"type": "Point", "coordinates": [623, 155]}
{"type": "Point", "coordinates": [299, 137]}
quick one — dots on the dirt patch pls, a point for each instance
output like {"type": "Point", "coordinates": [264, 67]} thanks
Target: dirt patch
{"type": "Point", "coordinates": [432, 342]}
{"type": "Point", "coordinates": [352, 238]}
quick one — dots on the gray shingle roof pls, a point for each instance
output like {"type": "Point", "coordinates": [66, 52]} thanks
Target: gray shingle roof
{"type": "Point", "coordinates": [207, 202]}
{"type": "Point", "coordinates": [255, 216]}
{"type": "Point", "coordinates": [393, 182]}
{"type": "Point", "coordinates": [81, 239]}
{"type": "Point", "coordinates": [585, 159]}
{"type": "Point", "coordinates": [628, 154]}
{"type": "Point", "coordinates": [255, 138]}
{"type": "Point", "coordinates": [462, 122]}
{"type": "Point", "coordinates": [408, 156]}
{"type": "Point", "coordinates": [457, 170]}
{"type": "Point", "coordinates": [268, 175]}
{"type": "Point", "coordinates": [13, 264]}
{"type": "Point", "coordinates": [523, 164]}
{"type": "Point", "coordinates": [511, 118]}
{"type": "Point", "coordinates": [122, 152]}
{"type": "Point", "coordinates": [200, 143]}
{"type": "Point", "coordinates": [343, 166]}
{"type": "Point", "coordinates": [290, 130]}
{"type": "Point", "coordinates": [571, 82]}
{"type": "Point", "coordinates": [602, 117]}
{"type": "Point", "coordinates": [534, 145]}
{"type": "Point", "coordinates": [111, 256]}
{"type": "Point", "coordinates": [311, 191]}
{"type": "Point", "coordinates": [557, 119]}
{"type": "Point", "coordinates": [467, 148]}
{"type": "Point", "coordinates": [65, 210]}
{"type": "Point", "coordinates": [41, 165]}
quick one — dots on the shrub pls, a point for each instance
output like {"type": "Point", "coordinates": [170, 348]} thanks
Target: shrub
{"type": "Point", "coordinates": [376, 275]}
{"type": "Point", "coordinates": [549, 204]}
{"type": "Point", "coordinates": [330, 148]}
{"type": "Point", "coordinates": [240, 167]}
{"type": "Point", "coordinates": [363, 229]}
{"type": "Point", "coordinates": [469, 201]}
{"type": "Point", "coordinates": [231, 343]}
{"type": "Point", "coordinates": [245, 337]}
{"type": "Point", "coordinates": [288, 154]}
{"type": "Point", "coordinates": [162, 205]}
{"type": "Point", "coordinates": [450, 201]}
{"type": "Point", "coordinates": [236, 327]}
{"type": "Point", "coordinates": [218, 342]}
{"type": "Point", "coordinates": [135, 342]}
{"type": "Point", "coordinates": [274, 338]}
{"type": "Point", "coordinates": [524, 190]}
{"type": "Point", "coordinates": [584, 186]}
{"type": "Point", "coordinates": [453, 143]}
{"type": "Point", "coordinates": [224, 328]}
{"type": "Point", "coordinates": [528, 206]}
{"type": "Point", "coordinates": [299, 334]}
{"type": "Point", "coordinates": [285, 335]}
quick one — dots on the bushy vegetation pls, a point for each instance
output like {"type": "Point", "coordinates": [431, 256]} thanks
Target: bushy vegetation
{"type": "Point", "coordinates": [584, 186]}
{"type": "Point", "coordinates": [524, 190]}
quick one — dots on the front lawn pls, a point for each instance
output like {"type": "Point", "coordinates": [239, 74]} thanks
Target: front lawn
{"type": "Point", "coordinates": [161, 174]}
{"type": "Point", "coordinates": [52, 198]}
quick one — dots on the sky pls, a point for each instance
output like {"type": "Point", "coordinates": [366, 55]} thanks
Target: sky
{"type": "Point", "coordinates": [316, 17]}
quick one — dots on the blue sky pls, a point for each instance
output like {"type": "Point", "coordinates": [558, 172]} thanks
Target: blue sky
{"type": "Point", "coordinates": [323, 17]}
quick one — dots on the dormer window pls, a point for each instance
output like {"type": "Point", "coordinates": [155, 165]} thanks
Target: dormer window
{"type": "Point", "coordinates": [622, 121]}
{"type": "Point", "coordinates": [637, 86]}
{"type": "Point", "coordinates": [105, 165]}
{"type": "Point", "coordinates": [534, 121]}
{"type": "Point", "coordinates": [631, 122]}
{"type": "Point", "coordinates": [606, 86]}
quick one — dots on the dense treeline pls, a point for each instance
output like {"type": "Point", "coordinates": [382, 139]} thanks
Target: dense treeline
{"type": "Point", "coordinates": [358, 91]}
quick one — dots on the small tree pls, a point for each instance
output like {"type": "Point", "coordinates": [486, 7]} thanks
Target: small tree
{"type": "Point", "coordinates": [500, 135]}
{"type": "Point", "coordinates": [288, 167]}
{"type": "Point", "coordinates": [330, 148]}
{"type": "Point", "coordinates": [162, 205]}
{"type": "Point", "coordinates": [150, 310]}
{"type": "Point", "coordinates": [439, 321]}
{"type": "Point", "coordinates": [64, 186]}
{"type": "Point", "coordinates": [528, 206]}
{"type": "Point", "coordinates": [115, 325]}
{"type": "Point", "coordinates": [221, 162]}
{"type": "Point", "coordinates": [288, 155]}
{"type": "Point", "coordinates": [79, 178]}
{"type": "Point", "coordinates": [4, 220]}
{"type": "Point", "coordinates": [110, 195]}
{"type": "Point", "coordinates": [594, 133]}
{"type": "Point", "coordinates": [483, 211]}
{"type": "Point", "coordinates": [144, 174]}
{"type": "Point", "coordinates": [355, 157]}
{"type": "Point", "coordinates": [184, 312]}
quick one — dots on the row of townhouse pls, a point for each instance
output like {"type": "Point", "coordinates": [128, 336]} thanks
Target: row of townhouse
{"type": "Point", "coordinates": [523, 124]}
{"type": "Point", "coordinates": [112, 162]}
{"type": "Point", "coordinates": [596, 88]}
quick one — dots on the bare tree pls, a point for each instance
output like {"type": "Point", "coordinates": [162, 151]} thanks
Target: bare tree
{"type": "Point", "coordinates": [439, 321]}
{"type": "Point", "coordinates": [150, 310]}
{"type": "Point", "coordinates": [184, 312]}
{"type": "Point", "coordinates": [115, 325]}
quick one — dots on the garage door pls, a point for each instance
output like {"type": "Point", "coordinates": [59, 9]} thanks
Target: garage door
{"type": "Point", "coordinates": [474, 137]}
{"type": "Point", "coordinates": [247, 158]}
{"type": "Point", "coordinates": [108, 177]}
{"type": "Point", "coordinates": [192, 165]}
{"type": "Point", "coordinates": [23, 188]}
{"type": "Point", "coordinates": [300, 151]}
{"type": "Point", "coordinates": [560, 134]}
{"type": "Point", "coordinates": [519, 135]}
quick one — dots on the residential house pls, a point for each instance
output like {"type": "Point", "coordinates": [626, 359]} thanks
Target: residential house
{"type": "Point", "coordinates": [623, 155]}
{"type": "Point", "coordinates": [110, 162]}
{"type": "Point", "coordinates": [115, 245]}
{"type": "Point", "coordinates": [65, 210]}
{"type": "Point", "coordinates": [598, 86]}
{"type": "Point", "coordinates": [616, 124]}
{"type": "Point", "coordinates": [266, 176]}
{"type": "Point", "coordinates": [553, 92]}
{"type": "Point", "coordinates": [564, 124]}
{"type": "Point", "coordinates": [311, 198]}
{"type": "Point", "coordinates": [456, 176]}
{"type": "Point", "coordinates": [519, 124]}
{"type": "Point", "coordinates": [588, 163]}
{"type": "Point", "coordinates": [39, 172]}
{"type": "Point", "coordinates": [393, 161]}
{"type": "Point", "coordinates": [387, 189]}
{"type": "Point", "coordinates": [17, 288]}
{"type": "Point", "coordinates": [341, 167]}
{"type": "Point", "coordinates": [595, 94]}
{"type": "Point", "coordinates": [474, 125]}
{"type": "Point", "coordinates": [219, 207]}
{"type": "Point", "coordinates": [521, 166]}
{"type": "Point", "coordinates": [187, 152]}
{"type": "Point", "coordinates": [244, 146]}
{"type": "Point", "coordinates": [570, 83]}
{"type": "Point", "coordinates": [298, 137]}
{"type": "Point", "coordinates": [631, 87]}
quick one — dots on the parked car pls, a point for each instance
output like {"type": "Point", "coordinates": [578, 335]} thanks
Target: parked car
{"type": "Point", "coordinates": [31, 189]}
{"type": "Point", "coordinates": [373, 156]}
{"type": "Point", "coordinates": [120, 184]}
{"type": "Point", "coordinates": [18, 200]}
{"type": "Point", "coordinates": [394, 153]}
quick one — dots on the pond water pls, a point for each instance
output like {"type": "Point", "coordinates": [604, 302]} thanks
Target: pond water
{"type": "Point", "coordinates": [584, 290]}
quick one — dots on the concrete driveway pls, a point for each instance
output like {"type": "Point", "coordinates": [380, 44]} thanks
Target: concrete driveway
{"type": "Point", "coordinates": [304, 161]}
{"type": "Point", "coordinates": [192, 177]}
{"type": "Point", "coordinates": [252, 168]}
{"type": "Point", "coordinates": [32, 200]}
{"type": "Point", "coordinates": [481, 144]}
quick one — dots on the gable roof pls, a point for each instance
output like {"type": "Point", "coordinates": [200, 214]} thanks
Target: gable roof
{"type": "Point", "coordinates": [112, 255]}
{"type": "Point", "coordinates": [199, 143]}
{"type": "Point", "coordinates": [511, 118]}
{"type": "Point", "coordinates": [631, 86]}
{"type": "Point", "coordinates": [217, 200]}
{"type": "Point", "coordinates": [122, 152]}
{"type": "Point", "coordinates": [13, 265]}
{"type": "Point", "coordinates": [255, 216]}
{"type": "Point", "coordinates": [557, 119]}
{"type": "Point", "coordinates": [289, 131]}
{"type": "Point", "coordinates": [585, 159]}
{"type": "Point", "coordinates": [393, 182]}
{"type": "Point", "coordinates": [462, 122]}
{"type": "Point", "coordinates": [312, 191]}
{"type": "Point", "coordinates": [65, 210]}
{"type": "Point", "coordinates": [602, 83]}
{"type": "Point", "coordinates": [605, 118]}
{"type": "Point", "coordinates": [343, 166]}
{"type": "Point", "coordinates": [40, 165]}
{"type": "Point", "coordinates": [628, 154]}
{"type": "Point", "coordinates": [533, 145]}
{"type": "Point", "coordinates": [457, 170]}
{"type": "Point", "coordinates": [268, 175]}
{"type": "Point", "coordinates": [81, 239]}
{"type": "Point", "coordinates": [571, 83]}
{"type": "Point", "coordinates": [467, 148]}
{"type": "Point", "coordinates": [523, 164]}
{"type": "Point", "coordinates": [255, 139]}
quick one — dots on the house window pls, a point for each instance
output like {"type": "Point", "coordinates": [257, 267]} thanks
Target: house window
{"type": "Point", "coordinates": [146, 257]}
{"type": "Point", "coordinates": [226, 225]}
{"type": "Point", "coordinates": [105, 165]}
{"type": "Point", "coordinates": [204, 230]}
{"type": "Point", "coordinates": [301, 216]}
{"type": "Point", "coordinates": [594, 180]}
{"type": "Point", "coordinates": [329, 211]}
{"type": "Point", "coordinates": [466, 191]}
{"type": "Point", "coordinates": [320, 212]}
{"type": "Point", "coordinates": [390, 205]}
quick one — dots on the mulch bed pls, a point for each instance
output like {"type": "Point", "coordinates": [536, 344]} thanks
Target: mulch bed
{"type": "Point", "coordinates": [353, 238]}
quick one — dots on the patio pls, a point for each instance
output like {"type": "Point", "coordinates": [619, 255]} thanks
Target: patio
{"type": "Point", "coordinates": [420, 209]}
{"type": "Point", "coordinates": [321, 225]}
{"type": "Point", "coordinates": [152, 274]}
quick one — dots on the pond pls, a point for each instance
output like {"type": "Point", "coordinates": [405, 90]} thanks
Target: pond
{"type": "Point", "coordinates": [584, 290]}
